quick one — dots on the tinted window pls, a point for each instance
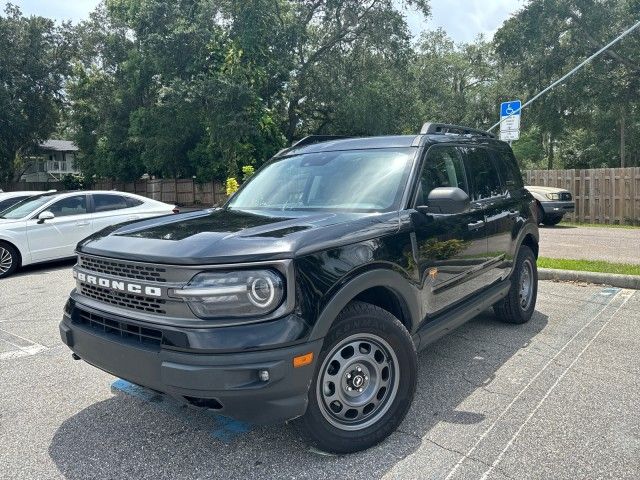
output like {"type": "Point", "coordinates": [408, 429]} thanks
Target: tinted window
{"type": "Point", "coordinates": [133, 202]}
{"type": "Point", "coordinates": [106, 202]}
{"type": "Point", "coordinates": [510, 170]}
{"type": "Point", "coordinates": [442, 168]}
{"type": "Point", "coordinates": [69, 206]}
{"type": "Point", "coordinates": [482, 173]}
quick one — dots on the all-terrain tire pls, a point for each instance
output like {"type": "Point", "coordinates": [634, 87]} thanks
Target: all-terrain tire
{"type": "Point", "coordinates": [367, 356]}
{"type": "Point", "coordinates": [515, 308]}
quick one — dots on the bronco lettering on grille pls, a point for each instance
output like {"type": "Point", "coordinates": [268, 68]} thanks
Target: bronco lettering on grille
{"type": "Point", "coordinates": [118, 285]}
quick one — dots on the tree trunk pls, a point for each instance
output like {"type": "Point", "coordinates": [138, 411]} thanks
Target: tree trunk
{"type": "Point", "coordinates": [623, 145]}
{"type": "Point", "coordinates": [550, 155]}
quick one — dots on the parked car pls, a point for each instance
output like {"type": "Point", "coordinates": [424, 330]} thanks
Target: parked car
{"type": "Point", "coordinates": [48, 226]}
{"type": "Point", "coordinates": [309, 293]}
{"type": "Point", "coordinates": [552, 203]}
{"type": "Point", "coordinates": [7, 199]}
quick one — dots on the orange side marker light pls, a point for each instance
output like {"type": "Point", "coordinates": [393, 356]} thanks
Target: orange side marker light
{"type": "Point", "coordinates": [302, 360]}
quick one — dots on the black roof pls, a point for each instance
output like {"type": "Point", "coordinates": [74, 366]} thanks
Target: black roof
{"type": "Point", "coordinates": [308, 145]}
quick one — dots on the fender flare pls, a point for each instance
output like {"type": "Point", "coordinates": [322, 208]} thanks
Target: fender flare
{"type": "Point", "coordinates": [527, 229]}
{"type": "Point", "coordinates": [406, 292]}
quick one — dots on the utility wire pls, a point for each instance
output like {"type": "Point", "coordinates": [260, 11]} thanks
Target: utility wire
{"type": "Point", "coordinates": [558, 82]}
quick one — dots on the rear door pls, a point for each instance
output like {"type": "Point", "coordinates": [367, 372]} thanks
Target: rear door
{"type": "Point", "coordinates": [500, 210]}
{"type": "Point", "coordinates": [450, 249]}
{"type": "Point", "coordinates": [58, 237]}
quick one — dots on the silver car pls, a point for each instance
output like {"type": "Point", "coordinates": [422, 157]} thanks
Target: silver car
{"type": "Point", "coordinates": [553, 203]}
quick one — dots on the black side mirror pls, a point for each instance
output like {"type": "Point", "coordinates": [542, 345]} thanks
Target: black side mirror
{"type": "Point", "coordinates": [446, 200]}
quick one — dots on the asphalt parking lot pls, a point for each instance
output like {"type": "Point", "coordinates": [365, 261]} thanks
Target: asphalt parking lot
{"type": "Point", "coordinates": [617, 245]}
{"type": "Point", "coordinates": [555, 398]}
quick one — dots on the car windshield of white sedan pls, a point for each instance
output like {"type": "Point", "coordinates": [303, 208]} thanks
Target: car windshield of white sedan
{"type": "Point", "coordinates": [356, 180]}
{"type": "Point", "coordinates": [25, 207]}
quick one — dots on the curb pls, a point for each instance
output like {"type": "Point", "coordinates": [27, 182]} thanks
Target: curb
{"type": "Point", "coordinates": [612, 279]}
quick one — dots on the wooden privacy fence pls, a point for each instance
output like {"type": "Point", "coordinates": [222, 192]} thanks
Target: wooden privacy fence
{"type": "Point", "coordinates": [180, 191]}
{"type": "Point", "coordinates": [602, 195]}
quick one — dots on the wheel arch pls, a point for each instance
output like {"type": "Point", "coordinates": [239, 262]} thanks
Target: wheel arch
{"type": "Point", "coordinates": [386, 289]}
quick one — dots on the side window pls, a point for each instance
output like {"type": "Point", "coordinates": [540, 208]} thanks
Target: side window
{"type": "Point", "coordinates": [510, 170]}
{"type": "Point", "coordinates": [133, 202]}
{"type": "Point", "coordinates": [483, 173]}
{"type": "Point", "coordinates": [442, 168]}
{"type": "Point", "coordinates": [76, 205]}
{"type": "Point", "coordinates": [105, 203]}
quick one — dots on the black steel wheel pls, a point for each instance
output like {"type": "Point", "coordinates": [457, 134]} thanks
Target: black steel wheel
{"type": "Point", "coordinates": [519, 304]}
{"type": "Point", "coordinates": [364, 382]}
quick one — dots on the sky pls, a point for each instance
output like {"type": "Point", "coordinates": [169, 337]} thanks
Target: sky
{"type": "Point", "coordinates": [463, 20]}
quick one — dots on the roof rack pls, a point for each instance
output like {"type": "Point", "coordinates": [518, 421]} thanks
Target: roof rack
{"type": "Point", "coordinates": [446, 129]}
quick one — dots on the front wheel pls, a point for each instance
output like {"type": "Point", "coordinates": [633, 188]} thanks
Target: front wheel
{"type": "Point", "coordinates": [364, 383]}
{"type": "Point", "coordinates": [551, 221]}
{"type": "Point", "coordinates": [8, 260]}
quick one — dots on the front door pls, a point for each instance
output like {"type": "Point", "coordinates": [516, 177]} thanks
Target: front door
{"type": "Point", "coordinates": [450, 249]}
{"type": "Point", "coordinates": [58, 237]}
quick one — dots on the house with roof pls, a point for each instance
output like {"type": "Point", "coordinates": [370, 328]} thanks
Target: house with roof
{"type": "Point", "coordinates": [53, 160]}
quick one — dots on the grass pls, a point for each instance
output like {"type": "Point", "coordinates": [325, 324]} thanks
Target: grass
{"type": "Point", "coordinates": [602, 225]}
{"type": "Point", "coordinates": [589, 266]}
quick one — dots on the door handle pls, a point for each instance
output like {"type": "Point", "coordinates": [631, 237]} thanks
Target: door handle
{"type": "Point", "coordinates": [476, 225]}
{"type": "Point", "coordinates": [82, 224]}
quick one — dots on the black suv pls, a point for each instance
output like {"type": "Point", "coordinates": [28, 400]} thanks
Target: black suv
{"type": "Point", "coordinates": [309, 293]}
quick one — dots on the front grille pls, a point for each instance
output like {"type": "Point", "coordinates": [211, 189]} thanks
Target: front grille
{"type": "Point", "coordinates": [565, 196]}
{"type": "Point", "coordinates": [127, 331]}
{"type": "Point", "coordinates": [122, 299]}
{"type": "Point", "coordinates": [122, 269]}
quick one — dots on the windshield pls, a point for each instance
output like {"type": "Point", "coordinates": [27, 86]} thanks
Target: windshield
{"type": "Point", "coordinates": [25, 207]}
{"type": "Point", "coordinates": [355, 180]}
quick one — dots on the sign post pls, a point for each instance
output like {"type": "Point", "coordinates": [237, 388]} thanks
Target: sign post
{"type": "Point", "coordinates": [510, 113]}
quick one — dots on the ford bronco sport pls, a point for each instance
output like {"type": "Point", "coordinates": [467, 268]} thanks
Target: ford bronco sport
{"type": "Point", "coordinates": [308, 294]}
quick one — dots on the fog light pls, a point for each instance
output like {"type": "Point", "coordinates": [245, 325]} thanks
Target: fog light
{"type": "Point", "coordinates": [263, 375]}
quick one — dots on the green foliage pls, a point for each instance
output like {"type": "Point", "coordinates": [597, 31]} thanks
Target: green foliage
{"type": "Point", "coordinates": [34, 57]}
{"type": "Point", "coordinates": [75, 182]}
{"type": "Point", "coordinates": [231, 186]}
{"type": "Point", "coordinates": [207, 87]}
{"type": "Point", "coordinates": [247, 171]}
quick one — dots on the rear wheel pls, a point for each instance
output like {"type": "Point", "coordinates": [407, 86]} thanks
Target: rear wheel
{"type": "Point", "coordinates": [364, 383]}
{"type": "Point", "coordinates": [520, 302]}
{"type": "Point", "coordinates": [9, 259]}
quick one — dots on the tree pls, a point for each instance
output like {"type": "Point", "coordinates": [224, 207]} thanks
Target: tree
{"type": "Point", "coordinates": [34, 60]}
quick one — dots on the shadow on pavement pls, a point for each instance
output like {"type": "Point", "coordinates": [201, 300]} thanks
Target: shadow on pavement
{"type": "Point", "coordinates": [45, 267]}
{"type": "Point", "coordinates": [128, 435]}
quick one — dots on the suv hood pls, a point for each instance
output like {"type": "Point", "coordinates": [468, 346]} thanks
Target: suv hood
{"type": "Point", "coordinates": [233, 236]}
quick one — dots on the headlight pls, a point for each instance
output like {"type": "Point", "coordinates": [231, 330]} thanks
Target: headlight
{"type": "Point", "coordinates": [553, 196]}
{"type": "Point", "coordinates": [241, 293]}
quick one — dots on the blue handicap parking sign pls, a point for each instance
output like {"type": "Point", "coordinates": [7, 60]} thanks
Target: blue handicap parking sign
{"type": "Point", "coordinates": [512, 108]}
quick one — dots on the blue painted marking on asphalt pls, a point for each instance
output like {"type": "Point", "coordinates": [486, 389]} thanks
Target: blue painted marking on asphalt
{"type": "Point", "coordinates": [223, 428]}
{"type": "Point", "coordinates": [609, 291]}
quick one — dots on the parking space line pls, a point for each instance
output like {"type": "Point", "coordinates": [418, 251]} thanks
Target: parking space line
{"type": "Point", "coordinates": [604, 292]}
{"type": "Point", "coordinates": [23, 347]}
{"type": "Point", "coordinates": [497, 461]}
{"type": "Point", "coordinates": [224, 429]}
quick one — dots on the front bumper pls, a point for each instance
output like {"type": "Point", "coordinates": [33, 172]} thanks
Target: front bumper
{"type": "Point", "coordinates": [226, 382]}
{"type": "Point", "coordinates": [558, 208]}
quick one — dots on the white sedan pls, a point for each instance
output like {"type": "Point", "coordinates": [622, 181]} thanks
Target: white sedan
{"type": "Point", "coordinates": [49, 226]}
